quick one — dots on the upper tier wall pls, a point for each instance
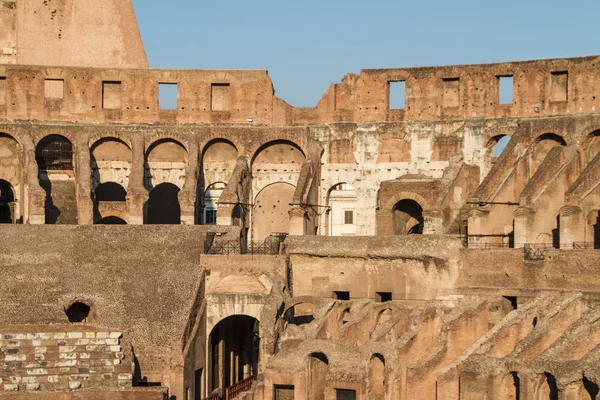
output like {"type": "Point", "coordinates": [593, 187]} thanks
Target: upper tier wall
{"type": "Point", "coordinates": [541, 89]}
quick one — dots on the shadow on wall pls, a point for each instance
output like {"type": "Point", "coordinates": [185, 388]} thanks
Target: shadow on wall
{"type": "Point", "coordinates": [407, 217]}
{"type": "Point", "coordinates": [6, 198]}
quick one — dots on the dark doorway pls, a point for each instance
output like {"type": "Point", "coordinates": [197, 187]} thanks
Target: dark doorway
{"type": "Point", "coordinates": [234, 346]}
{"type": "Point", "coordinates": [163, 205]}
{"type": "Point", "coordinates": [78, 312]}
{"type": "Point", "coordinates": [7, 198]}
{"type": "Point", "coordinates": [597, 232]}
{"type": "Point", "coordinates": [407, 217]}
{"type": "Point", "coordinates": [110, 191]}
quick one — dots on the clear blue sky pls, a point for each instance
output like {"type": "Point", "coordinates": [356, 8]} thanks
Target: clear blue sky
{"type": "Point", "coordinates": [307, 45]}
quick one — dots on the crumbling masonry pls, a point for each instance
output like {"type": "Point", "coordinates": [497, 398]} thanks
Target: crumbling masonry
{"type": "Point", "coordinates": [443, 246]}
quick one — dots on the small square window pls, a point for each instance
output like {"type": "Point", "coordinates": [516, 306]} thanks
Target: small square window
{"type": "Point", "coordinates": [505, 89]}
{"type": "Point", "coordinates": [340, 295]}
{"type": "Point", "coordinates": [210, 217]}
{"type": "Point", "coordinates": [168, 96]}
{"type": "Point", "coordinates": [345, 394]}
{"type": "Point", "coordinates": [111, 95]}
{"type": "Point", "coordinates": [397, 98]}
{"type": "Point", "coordinates": [383, 297]}
{"type": "Point", "coordinates": [559, 86]}
{"type": "Point", "coordinates": [348, 217]}
{"type": "Point", "coordinates": [451, 94]}
{"type": "Point", "coordinates": [284, 392]}
{"type": "Point", "coordinates": [54, 89]}
{"type": "Point", "coordinates": [220, 97]}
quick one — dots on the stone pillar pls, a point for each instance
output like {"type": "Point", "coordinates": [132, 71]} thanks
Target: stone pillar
{"type": "Point", "coordinates": [187, 195]}
{"type": "Point", "coordinates": [432, 223]}
{"type": "Point", "coordinates": [137, 195]}
{"type": "Point", "coordinates": [523, 217]}
{"type": "Point", "coordinates": [35, 212]}
{"type": "Point", "coordinates": [366, 207]}
{"type": "Point", "coordinates": [297, 220]}
{"type": "Point", "coordinates": [83, 178]}
{"type": "Point", "coordinates": [571, 227]}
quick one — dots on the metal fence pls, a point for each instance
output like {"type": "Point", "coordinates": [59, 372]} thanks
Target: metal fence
{"type": "Point", "coordinates": [270, 246]}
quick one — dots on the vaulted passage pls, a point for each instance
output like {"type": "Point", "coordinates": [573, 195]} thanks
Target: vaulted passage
{"type": "Point", "coordinates": [318, 367]}
{"type": "Point", "coordinates": [233, 353]}
{"type": "Point", "coordinates": [407, 218]}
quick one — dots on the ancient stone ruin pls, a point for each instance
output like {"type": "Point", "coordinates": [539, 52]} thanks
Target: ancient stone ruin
{"type": "Point", "coordinates": [413, 236]}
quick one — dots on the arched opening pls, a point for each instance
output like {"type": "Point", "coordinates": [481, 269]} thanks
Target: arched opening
{"type": "Point", "coordinates": [376, 389]}
{"type": "Point", "coordinates": [54, 156]}
{"type": "Point", "coordinates": [78, 312]}
{"type": "Point", "coordinates": [10, 171]}
{"type": "Point", "coordinates": [211, 202]}
{"type": "Point", "coordinates": [591, 388]}
{"type": "Point", "coordinates": [166, 161]}
{"type": "Point", "coordinates": [341, 198]}
{"type": "Point", "coordinates": [496, 146]}
{"type": "Point", "coordinates": [271, 211]}
{"type": "Point", "coordinates": [300, 314]}
{"type": "Point", "coordinates": [218, 162]}
{"type": "Point", "coordinates": [548, 388]}
{"type": "Point", "coordinates": [110, 162]}
{"type": "Point", "coordinates": [407, 217]}
{"type": "Point", "coordinates": [112, 220]}
{"type": "Point", "coordinates": [516, 383]}
{"type": "Point", "coordinates": [279, 152]}
{"type": "Point", "coordinates": [163, 206]}
{"type": "Point", "coordinates": [541, 147]}
{"type": "Point", "coordinates": [7, 200]}
{"type": "Point", "coordinates": [233, 353]}
{"type": "Point", "coordinates": [318, 368]}
{"type": "Point", "coordinates": [110, 191]}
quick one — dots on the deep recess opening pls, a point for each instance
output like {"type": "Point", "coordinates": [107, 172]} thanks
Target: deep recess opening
{"type": "Point", "coordinates": [340, 295]}
{"type": "Point", "coordinates": [397, 98]}
{"type": "Point", "coordinates": [78, 312]}
{"type": "Point", "coordinates": [167, 96]}
{"type": "Point", "coordinates": [506, 89]}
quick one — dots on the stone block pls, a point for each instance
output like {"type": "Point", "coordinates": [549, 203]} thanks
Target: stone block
{"type": "Point", "coordinates": [74, 385]}
{"type": "Point", "coordinates": [11, 387]}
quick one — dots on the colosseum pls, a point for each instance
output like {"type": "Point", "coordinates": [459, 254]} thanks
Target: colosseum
{"type": "Point", "coordinates": [417, 235]}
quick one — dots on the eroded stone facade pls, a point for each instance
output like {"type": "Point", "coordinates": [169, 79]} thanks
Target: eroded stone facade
{"type": "Point", "coordinates": [346, 251]}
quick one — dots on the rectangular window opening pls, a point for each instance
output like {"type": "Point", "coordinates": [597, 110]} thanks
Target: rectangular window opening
{"type": "Point", "coordinates": [284, 392]}
{"type": "Point", "coordinates": [220, 97]}
{"type": "Point", "coordinates": [506, 86]}
{"type": "Point", "coordinates": [451, 93]}
{"type": "Point", "coordinates": [509, 303]}
{"type": "Point", "coordinates": [382, 297]}
{"type": "Point", "coordinates": [559, 86]}
{"type": "Point", "coordinates": [397, 98]}
{"type": "Point", "coordinates": [349, 217]}
{"type": "Point", "coordinates": [2, 90]}
{"type": "Point", "coordinates": [345, 394]}
{"type": "Point", "coordinates": [198, 384]}
{"type": "Point", "coordinates": [111, 95]}
{"type": "Point", "coordinates": [211, 217]}
{"type": "Point", "coordinates": [54, 89]}
{"type": "Point", "coordinates": [340, 295]}
{"type": "Point", "coordinates": [167, 96]}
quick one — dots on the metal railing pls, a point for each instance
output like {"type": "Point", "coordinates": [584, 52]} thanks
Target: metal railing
{"type": "Point", "coordinates": [270, 246]}
{"type": "Point", "coordinates": [234, 391]}
{"type": "Point", "coordinates": [586, 245]}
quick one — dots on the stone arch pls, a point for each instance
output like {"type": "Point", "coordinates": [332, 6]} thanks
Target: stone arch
{"type": "Point", "coordinates": [211, 196]}
{"type": "Point", "coordinates": [217, 162]}
{"type": "Point", "coordinates": [271, 210]}
{"type": "Point", "coordinates": [318, 369]}
{"type": "Point", "coordinates": [114, 214]}
{"type": "Point", "coordinates": [164, 137]}
{"type": "Point", "coordinates": [11, 172]}
{"type": "Point", "coordinates": [376, 381]}
{"type": "Point", "coordinates": [54, 155]}
{"type": "Point", "coordinates": [497, 144]}
{"type": "Point", "coordinates": [111, 159]}
{"type": "Point", "coordinates": [591, 145]}
{"type": "Point", "coordinates": [389, 205]}
{"type": "Point", "coordinates": [540, 148]}
{"type": "Point", "coordinates": [111, 136]}
{"type": "Point", "coordinates": [281, 152]}
{"type": "Point", "coordinates": [232, 358]}
{"type": "Point", "coordinates": [407, 217]}
{"type": "Point", "coordinates": [162, 207]}
{"type": "Point", "coordinates": [110, 191]}
{"type": "Point", "coordinates": [544, 134]}
{"type": "Point", "coordinates": [166, 161]}
{"type": "Point", "coordinates": [300, 313]}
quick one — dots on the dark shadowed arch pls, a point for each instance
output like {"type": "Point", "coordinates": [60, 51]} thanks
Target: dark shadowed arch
{"type": "Point", "coordinates": [163, 206]}
{"type": "Point", "coordinates": [7, 197]}
{"type": "Point", "coordinates": [112, 220]}
{"type": "Point", "coordinates": [407, 216]}
{"type": "Point", "coordinates": [110, 191]}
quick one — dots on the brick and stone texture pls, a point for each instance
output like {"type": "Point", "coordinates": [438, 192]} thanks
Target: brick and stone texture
{"type": "Point", "coordinates": [47, 359]}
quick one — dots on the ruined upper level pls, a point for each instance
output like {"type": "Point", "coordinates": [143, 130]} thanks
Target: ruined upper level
{"type": "Point", "coordinates": [91, 33]}
{"type": "Point", "coordinates": [542, 88]}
